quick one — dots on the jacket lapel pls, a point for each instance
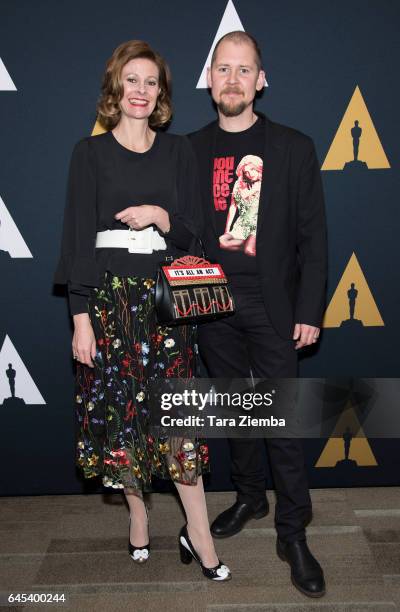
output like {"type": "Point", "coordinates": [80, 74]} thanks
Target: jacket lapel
{"type": "Point", "coordinates": [206, 171]}
{"type": "Point", "coordinates": [274, 153]}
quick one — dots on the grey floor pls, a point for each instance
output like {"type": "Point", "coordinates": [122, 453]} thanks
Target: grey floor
{"type": "Point", "coordinates": [77, 545]}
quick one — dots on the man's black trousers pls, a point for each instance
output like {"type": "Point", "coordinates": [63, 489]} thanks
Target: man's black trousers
{"type": "Point", "coordinates": [230, 348]}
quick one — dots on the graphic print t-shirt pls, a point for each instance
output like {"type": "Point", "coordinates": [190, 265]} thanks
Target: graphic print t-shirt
{"type": "Point", "coordinates": [236, 185]}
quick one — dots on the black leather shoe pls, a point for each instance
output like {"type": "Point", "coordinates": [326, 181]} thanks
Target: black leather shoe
{"type": "Point", "coordinates": [306, 572]}
{"type": "Point", "coordinates": [220, 572]}
{"type": "Point", "coordinates": [139, 554]}
{"type": "Point", "coordinates": [233, 519]}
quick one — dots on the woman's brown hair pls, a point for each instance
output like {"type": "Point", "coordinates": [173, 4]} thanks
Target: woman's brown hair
{"type": "Point", "coordinates": [108, 109]}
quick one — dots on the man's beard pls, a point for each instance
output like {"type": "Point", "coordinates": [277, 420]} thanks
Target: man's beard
{"type": "Point", "coordinates": [232, 109]}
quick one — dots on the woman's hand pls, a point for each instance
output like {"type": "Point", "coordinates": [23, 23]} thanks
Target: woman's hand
{"type": "Point", "coordinates": [139, 217]}
{"type": "Point", "coordinates": [83, 341]}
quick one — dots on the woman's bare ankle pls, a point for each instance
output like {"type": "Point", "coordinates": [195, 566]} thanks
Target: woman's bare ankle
{"type": "Point", "coordinates": [204, 545]}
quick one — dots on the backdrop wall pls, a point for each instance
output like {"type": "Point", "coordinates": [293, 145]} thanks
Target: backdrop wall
{"type": "Point", "coordinates": [327, 65]}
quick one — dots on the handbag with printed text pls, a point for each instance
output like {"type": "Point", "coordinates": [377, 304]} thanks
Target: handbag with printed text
{"type": "Point", "coordinates": [192, 290]}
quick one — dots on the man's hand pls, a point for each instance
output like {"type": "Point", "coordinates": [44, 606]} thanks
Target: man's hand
{"type": "Point", "coordinates": [229, 243]}
{"type": "Point", "coordinates": [139, 217]}
{"type": "Point", "coordinates": [305, 335]}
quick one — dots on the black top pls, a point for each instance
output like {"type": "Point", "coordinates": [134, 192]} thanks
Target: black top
{"type": "Point", "coordinates": [292, 252]}
{"type": "Point", "coordinates": [232, 188]}
{"type": "Point", "coordinates": [104, 178]}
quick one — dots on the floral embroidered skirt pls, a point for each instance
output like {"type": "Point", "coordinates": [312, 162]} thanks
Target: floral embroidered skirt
{"type": "Point", "coordinates": [112, 413]}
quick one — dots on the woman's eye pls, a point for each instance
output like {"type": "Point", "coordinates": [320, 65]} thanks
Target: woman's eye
{"type": "Point", "coordinates": [131, 79]}
{"type": "Point", "coordinates": [152, 83]}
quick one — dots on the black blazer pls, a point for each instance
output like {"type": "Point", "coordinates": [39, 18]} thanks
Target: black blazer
{"type": "Point", "coordinates": [291, 242]}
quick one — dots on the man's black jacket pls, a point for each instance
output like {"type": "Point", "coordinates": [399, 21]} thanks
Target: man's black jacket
{"type": "Point", "coordinates": [291, 241]}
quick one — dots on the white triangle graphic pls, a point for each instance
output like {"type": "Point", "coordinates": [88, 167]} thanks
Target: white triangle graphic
{"type": "Point", "coordinates": [11, 240]}
{"type": "Point", "coordinates": [6, 83]}
{"type": "Point", "coordinates": [230, 22]}
{"type": "Point", "coordinates": [25, 387]}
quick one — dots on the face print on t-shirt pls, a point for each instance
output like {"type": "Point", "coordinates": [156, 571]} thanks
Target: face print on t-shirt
{"type": "Point", "coordinates": [237, 196]}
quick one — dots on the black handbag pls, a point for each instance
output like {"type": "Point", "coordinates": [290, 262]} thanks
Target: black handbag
{"type": "Point", "coordinates": [191, 289]}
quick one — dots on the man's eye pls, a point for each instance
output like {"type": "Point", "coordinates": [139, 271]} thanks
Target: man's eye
{"type": "Point", "coordinates": [244, 70]}
{"type": "Point", "coordinates": [223, 69]}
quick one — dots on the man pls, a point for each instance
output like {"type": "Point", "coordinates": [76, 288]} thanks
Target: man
{"type": "Point", "coordinates": [262, 191]}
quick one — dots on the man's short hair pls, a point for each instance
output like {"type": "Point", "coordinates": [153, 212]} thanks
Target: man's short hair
{"type": "Point", "coordinates": [238, 36]}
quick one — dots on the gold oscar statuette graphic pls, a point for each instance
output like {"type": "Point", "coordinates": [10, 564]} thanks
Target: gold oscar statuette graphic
{"type": "Point", "coordinates": [347, 447]}
{"type": "Point", "coordinates": [97, 129]}
{"type": "Point", "coordinates": [356, 145]}
{"type": "Point", "coordinates": [352, 305]}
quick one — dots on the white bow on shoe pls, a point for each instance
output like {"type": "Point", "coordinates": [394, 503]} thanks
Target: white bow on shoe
{"type": "Point", "coordinates": [140, 554]}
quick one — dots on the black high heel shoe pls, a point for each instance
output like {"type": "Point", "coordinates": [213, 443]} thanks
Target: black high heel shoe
{"type": "Point", "coordinates": [220, 572]}
{"type": "Point", "coordinates": [139, 554]}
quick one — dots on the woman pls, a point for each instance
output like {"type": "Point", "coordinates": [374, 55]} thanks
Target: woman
{"type": "Point", "coordinates": [245, 201]}
{"type": "Point", "coordinates": [132, 201]}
